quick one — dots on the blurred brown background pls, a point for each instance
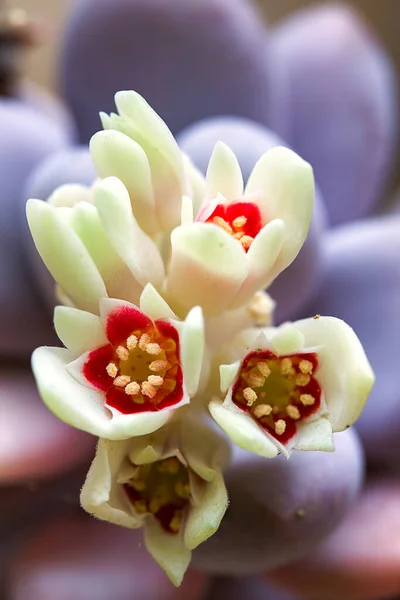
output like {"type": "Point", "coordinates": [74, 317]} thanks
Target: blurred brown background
{"type": "Point", "coordinates": [383, 15]}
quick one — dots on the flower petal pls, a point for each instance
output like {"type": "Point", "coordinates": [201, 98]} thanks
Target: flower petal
{"type": "Point", "coordinates": [135, 248]}
{"type": "Point", "coordinates": [227, 374]}
{"type": "Point", "coordinates": [116, 154]}
{"type": "Point", "coordinates": [223, 174]}
{"type": "Point", "coordinates": [215, 263]}
{"type": "Point", "coordinates": [286, 185]}
{"type": "Point", "coordinates": [344, 372]}
{"type": "Point", "coordinates": [154, 305]}
{"type": "Point", "coordinates": [205, 517]}
{"type": "Point", "coordinates": [261, 257]}
{"type": "Point", "coordinates": [120, 318]}
{"type": "Point", "coordinates": [191, 335]}
{"type": "Point", "coordinates": [65, 255]}
{"type": "Point", "coordinates": [315, 436]}
{"type": "Point", "coordinates": [242, 429]}
{"type": "Point", "coordinates": [119, 281]}
{"type": "Point", "coordinates": [78, 330]}
{"type": "Point", "coordinates": [286, 339]}
{"type": "Point", "coordinates": [69, 194]}
{"type": "Point", "coordinates": [83, 407]}
{"type": "Point", "coordinates": [100, 495]}
{"type": "Point", "coordinates": [196, 183]}
{"type": "Point", "coordinates": [168, 550]}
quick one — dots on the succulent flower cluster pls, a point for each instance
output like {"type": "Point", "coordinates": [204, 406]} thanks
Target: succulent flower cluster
{"type": "Point", "coordinates": [168, 329]}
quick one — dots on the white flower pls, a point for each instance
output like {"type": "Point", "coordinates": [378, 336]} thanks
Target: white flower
{"type": "Point", "coordinates": [94, 250]}
{"type": "Point", "coordinates": [170, 483]}
{"type": "Point", "coordinates": [241, 240]}
{"type": "Point", "coordinates": [124, 373]}
{"type": "Point", "coordinates": [292, 386]}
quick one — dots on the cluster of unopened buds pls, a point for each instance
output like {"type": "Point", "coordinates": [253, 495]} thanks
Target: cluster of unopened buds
{"type": "Point", "coordinates": [167, 327]}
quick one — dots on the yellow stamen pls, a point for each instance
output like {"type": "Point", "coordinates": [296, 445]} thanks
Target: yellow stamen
{"type": "Point", "coordinates": [144, 340]}
{"type": "Point", "coordinates": [238, 235]}
{"type": "Point", "coordinates": [286, 366]}
{"type": "Point", "coordinates": [122, 381]}
{"type": "Point", "coordinates": [250, 396]}
{"type": "Point", "coordinates": [307, 399]}
{"type": "Point", "coordinates": [157, 503]}
{"type": "Point", "coordinates": [293, 412]}
{"type": "Point", "coordinates": [176, 521]}
{"type": "Point", "coordinates": [159, 365]}
{"type": "Point", "coordinates": [132, 389]}
{"type": "Point", "coordinates": [182, 489]}
{"type": "Point", "coordinates": [122, 353]}
{"type": "Point", "coordinates": [306, 367]}
{"type": "Point", "coordinates": [138, 484]}
{"type": "Point", "coordinates": [239, 222]}
{"type": "Point", "coordinates": [169, 465]}
{"type": "Point", "coordinates": [280, 427]}
{"type": "Point", "coordinates": [153, 349]}
{"type": "Point", "coordinates": [255, 379]}
{"type": "Point", "coordinates": [131, 342]}
{"type": "Point", "coordinates": [148, 390]}
{"type": "Point", "coordinates": [112, 370]}
{"type": "Point", "coordinates": [223, 224]}
{"type": "Point", "coordinates": [262, 410]}
{"type": "Point", "coordinates": [140, 506]}
{"type": "Point", "coordinates": [246, 241]}
{"type": "Point", "coordinates": [155, 380]}
{"type": "Point", "coordinates": [264, 368]}
{"type": "Point", "coordinates": [302, 379]}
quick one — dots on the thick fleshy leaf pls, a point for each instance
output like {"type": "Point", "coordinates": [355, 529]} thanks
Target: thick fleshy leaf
{"type": "Point", "coordinates": [285, 184]}
{"type": "Point", "coordinates": [223, 174]}
{"type": "Point", "coordinates": [191, 335]}
{"type": "Point", "coordinates": [116, 154]}
{"type": "Point", "coordinates": [346, 125]}
{"type": "Point", "coordinates": [135, 248]}
{"type": "Point", "coordinates": [361, 559]}
{"type": "Point", "coordinates": [186, 76]}
{"type": "Point", "coordinates": [65, 255]}
{"type": "Point", "coordinates": [71, 556]}
{"type": "Point", "coordinates": [280, 509]}
{"type": "Point", "coordinates": [362, 286]}
{"type": "Point", "coordinates": [83, 407]}
{"type": "Point", "coordinates": [33, 443]}
{"type": "Point", "coordinates": [344, 372]}
{"type": "Point", "coordinates": [215, 263]}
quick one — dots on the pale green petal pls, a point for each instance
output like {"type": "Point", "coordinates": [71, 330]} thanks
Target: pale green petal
{"type": "Point", "coordinates": [78, 330]}
{"type": "Point", "coordinates": [223, 174]}
{"type": "Point", "coordinates": [207, 267]}
{"type": "Point", "coordinates": [69, 194]}
{"type": "Point", "coordinates": [228, 374]}
{"type": "Point", "coordinates": [191, 336]}
{"type": "Point", "coordinates": [134, 247]}
{"type": "Point", "coordinates": [197, 183]}
{"type": "Point", "coordinates": [344, 372]}
{"type": "Point", "coordinates": [316, 435]}
{"type": "Point", "coordinates": [286, 339]}
{"type": "Point", "coordinates": [65, 255]}
{"type": "Point", "coordinates": [169, 551]}
{"type": "Point", "coordinates": [153, 304]}
{"type": "Point", "coordinates": [116, 154]}
{"type": "Point", "coordinates": [283, 185]}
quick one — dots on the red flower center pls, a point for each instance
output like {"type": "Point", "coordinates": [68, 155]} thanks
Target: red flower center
{"type": "Point", "coordinates": [278, 392]}
{"type": "Point", "coordinates": [139, 370]}
{"type": "Point", "coordinates": [241, 219]}
{"type": "Point", "coordinates": [162, 489]}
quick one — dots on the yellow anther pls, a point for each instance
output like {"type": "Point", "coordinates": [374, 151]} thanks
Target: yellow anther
{"type": "Point", "coordinates": [306, 366]}
{"type": "Point", "coordinates": [260, 308]}
{"type": "Point", "coordinates": [122, 353]}
{"type": "Point", "coordinates": [262, 410]}
{"type": "Point", "coordinates": [238, 235]}
{"type": "Point", "coordinates": [112, 369]}
{"type": "Point", "coordinates": [144, 340]}
{"type": "Point", "coordinates": [132, 389]}
{"type": "Point", "coordinates": [280, 427]}
{"type": "Point", "coordinates": [175, 523]}
{"type": "Point", "coordinates": [140, 506]}
{"type": "Point", "coordinates": [223, 224]}
{"type": "Point", "coordinates": [156, 503]}
{"type": "Point", "coordinates": [302, 379]}
{"type": "Point", "coordinates": [293, 412]}
{"type": "Point", "coordinates": [148, 390]}
{"type": "Point", "coordinates": [131, 342]}
{"type": "Point", "coordinates": [264, 369]}
{"type": "Point", "coordinates": [153, 349]}
{"type": "Point", "coordinates": [169, 465]}
{"type": "Point", "coordinates": [155, 380]}
{"type": "Point", "coordinates": [182, 489]}
{"type": "Point", "coordinates": [138, 484]}
{"type": "Point", "coordinates": [255, 379]}
{"type": "Point", "coordinates": [286, 366]}
{"type": "Point", "coordinates": [122, 381]}
{"type": "Point", "coordinates": [246, 241]}
{"type": "Point", "coordinates": [307, 399]}
{"type": "Point", "coordinates": [250, 396]}
{"type": "Point", "coordinates": [239, 222]}
{"type": "Point", "coordinates": [159, 365]}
